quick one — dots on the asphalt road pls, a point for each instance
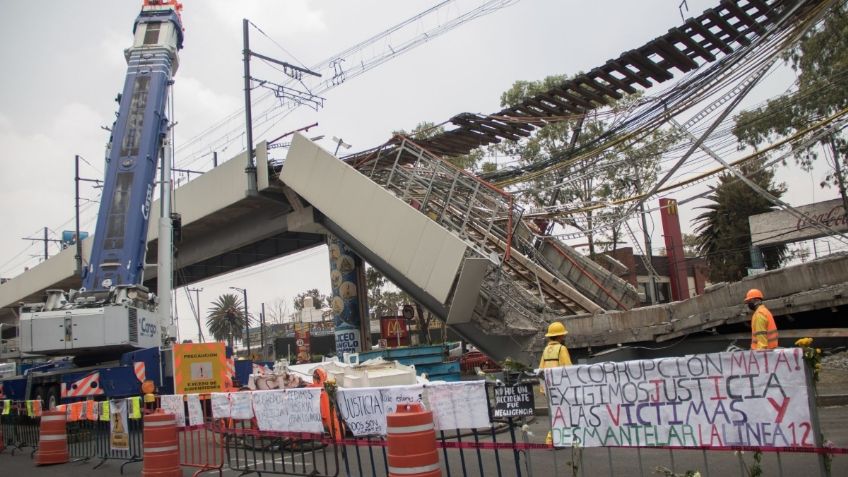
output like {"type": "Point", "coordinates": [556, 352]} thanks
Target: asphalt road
{"type": "Point", "coordinates": [592, 462]}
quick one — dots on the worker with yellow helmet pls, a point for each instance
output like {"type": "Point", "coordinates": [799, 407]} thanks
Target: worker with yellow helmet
{"type": "Point", "coordinates": [555, 354]}
{"type": "Point", "coordinates": [763, 329]}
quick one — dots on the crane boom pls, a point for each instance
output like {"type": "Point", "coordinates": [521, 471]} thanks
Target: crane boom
{"type": "Point", "coordinates": [117, 256]}
{"type": "Point", "coordinates": [113, 313]}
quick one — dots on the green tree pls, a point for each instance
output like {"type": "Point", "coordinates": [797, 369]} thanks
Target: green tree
{"type": "Point", "coordinates": [724, 237]}
{"type": "Point", "coordinates": [690, 245]}
{"type": "Point", "coordinates": [226, 319]}
{"type": "Point", "coordinates": [821, 89]}
{"type": "Point", "coordinates": [319, 300]}
{"type": "Point", "coordinates": [591, 182]}
{"type": "Point", "coordinates": [384, 298]}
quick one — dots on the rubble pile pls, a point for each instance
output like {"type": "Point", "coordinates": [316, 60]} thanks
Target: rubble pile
{"type": "Point", "coordinates": [837, 360]}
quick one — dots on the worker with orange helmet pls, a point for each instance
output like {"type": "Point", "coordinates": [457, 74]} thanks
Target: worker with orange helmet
{"type": "Point", "coordinates": [763, 329]}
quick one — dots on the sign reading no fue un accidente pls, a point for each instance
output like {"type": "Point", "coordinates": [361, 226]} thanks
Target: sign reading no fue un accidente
{"type": "Point", "coordinates": [513, 401]}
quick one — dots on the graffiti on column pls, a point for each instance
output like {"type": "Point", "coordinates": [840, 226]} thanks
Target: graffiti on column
{"type": "Point", "coordinates": [344, 302]}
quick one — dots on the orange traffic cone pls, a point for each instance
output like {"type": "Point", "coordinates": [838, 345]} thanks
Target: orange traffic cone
{"type": "Point", "coordinates": [411, 439]}
{"type": "Point", "coordinates": [161, 452]}
{"type": "Point", "coordinates": [53, 439]}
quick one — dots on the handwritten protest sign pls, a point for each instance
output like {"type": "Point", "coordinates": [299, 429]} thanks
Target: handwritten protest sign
{"type": "Point", "coordinates": [220, 405]}
{"type": "Point", "coordinates": [460, 405]}
{"type": "Point", "coordinates": [195, 412]}
{"type": "Point", "coordinates": [745, 398]}
{"type": "Point", "coordinates": [288, 410]}
{"type": "Point", "coordinates": [365, 409]}
{"type": "Point", "coordinates": [119, 439]}
{"type": "Point", "coordinates": [514, 401]}
{"type": "Point", "coordinates": [173, 404]}
{"type": "Point", "coordinates": [241, 405]}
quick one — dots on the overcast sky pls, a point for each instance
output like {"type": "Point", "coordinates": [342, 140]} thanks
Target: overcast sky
{"type": "Point", "coordinates": [63, 66]}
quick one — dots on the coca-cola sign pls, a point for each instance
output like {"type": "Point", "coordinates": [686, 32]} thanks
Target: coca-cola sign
{"type": "Point", "coordinates": [835, 217]}
{"type": "Point", "coordinates": [782, 227]}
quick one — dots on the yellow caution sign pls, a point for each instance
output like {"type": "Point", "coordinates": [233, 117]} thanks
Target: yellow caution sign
{"type": "Point", "coordinates": [199, 368]}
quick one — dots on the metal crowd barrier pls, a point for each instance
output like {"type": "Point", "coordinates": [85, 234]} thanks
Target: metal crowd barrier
{"type": "Point", "coordinates": [7, 426]}
{"type": "Point", "coordinates": [103, 448]}
{"type": "Point", "coordinates": [498, 450]}
{"type": "Point", "coordinates": [20, 427]}
{"type": "Point", "coordinates": [82, 440]}
{"type": "Point", "coordinates": [249, 450]}
{"type": "Point", "coordinates": [201, 447]}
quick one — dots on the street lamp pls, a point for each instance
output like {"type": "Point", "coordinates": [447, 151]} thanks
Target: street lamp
{"type": "Point", "coordinates": [246, 319]}
{"type": "Point", "coordinates": [340, 143]}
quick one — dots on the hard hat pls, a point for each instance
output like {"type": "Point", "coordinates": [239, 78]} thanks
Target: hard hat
{"type": "Point", "coordinates": [556, 329]}
{"type": "Point", "coordinates": [753, 293]}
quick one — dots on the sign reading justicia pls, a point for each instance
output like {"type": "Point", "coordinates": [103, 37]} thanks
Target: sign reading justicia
{"type": "Point", "coordinates": [745, 398]}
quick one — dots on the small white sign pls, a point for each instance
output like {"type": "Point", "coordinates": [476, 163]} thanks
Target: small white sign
{"type": "Point", "coordinates": [289, 410]}
{"type": "Point", "coordinates": [173, 404]}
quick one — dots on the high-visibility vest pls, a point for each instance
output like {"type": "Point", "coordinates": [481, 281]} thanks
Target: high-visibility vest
{"type": "Point", "coordinates": [551, 356]}
{"type": "Point", "coordinates": [770, 332]}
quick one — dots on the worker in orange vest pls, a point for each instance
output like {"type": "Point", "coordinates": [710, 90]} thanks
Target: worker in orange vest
{"type": "Point", "coordinates": [763, 329]}
{"type": "Point", "coordinates": [329, 417]}
{"type": "Point", "coordinates": [554, 355]}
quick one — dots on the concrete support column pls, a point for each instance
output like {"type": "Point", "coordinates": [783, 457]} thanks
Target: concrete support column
{"type": "Point", "coordinates": [350, 298]}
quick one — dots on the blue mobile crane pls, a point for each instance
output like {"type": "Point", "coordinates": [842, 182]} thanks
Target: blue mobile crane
{"type": "Point", "coordinates": [110, 332]}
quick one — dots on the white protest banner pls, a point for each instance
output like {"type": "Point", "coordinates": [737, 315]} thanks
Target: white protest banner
{"type": "Point", "coordinates": [289, 410]}
{"type": "Point", "coordinates": [460, 405]}
{"type": "Point", "coordinates": [220, 405]}
{"type": "Point", "coordinates": [364, 410]}
{"type": "Point", "coordinates": [195, 411]}
{"type": "Point", "coordinates": [241, 405]}
{"type": "Point", "coordinates": [745, 398]}
{"type": "Point", "coordinates": [173, 404]}
{"type": "Point", "coordinates": [119, 438]}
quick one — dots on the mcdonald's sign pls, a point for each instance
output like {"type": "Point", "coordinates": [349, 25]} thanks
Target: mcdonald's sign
{"type": "Point", "coordinates": [394, 329]}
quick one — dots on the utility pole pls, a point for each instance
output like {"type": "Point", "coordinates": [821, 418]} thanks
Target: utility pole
{"type": "Point", "coordinates": [197, 312]}
{"type": "Point", "coordinates": [262, 331]}
{"type": "Point", "coordinates": [652, 280]}
{"type": "Point", "coordinates": [45, 240]}
{"type": "Point", "coordinates": [78, 240]}
{"type": "Point", "coordinates": [78, 253]}
{"type": "Point", "coordinates": [246, 318]}
{"type": "Point", "coordinates": [281, 92]}
{"type": "Point", "coordinates": [250, 170]}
